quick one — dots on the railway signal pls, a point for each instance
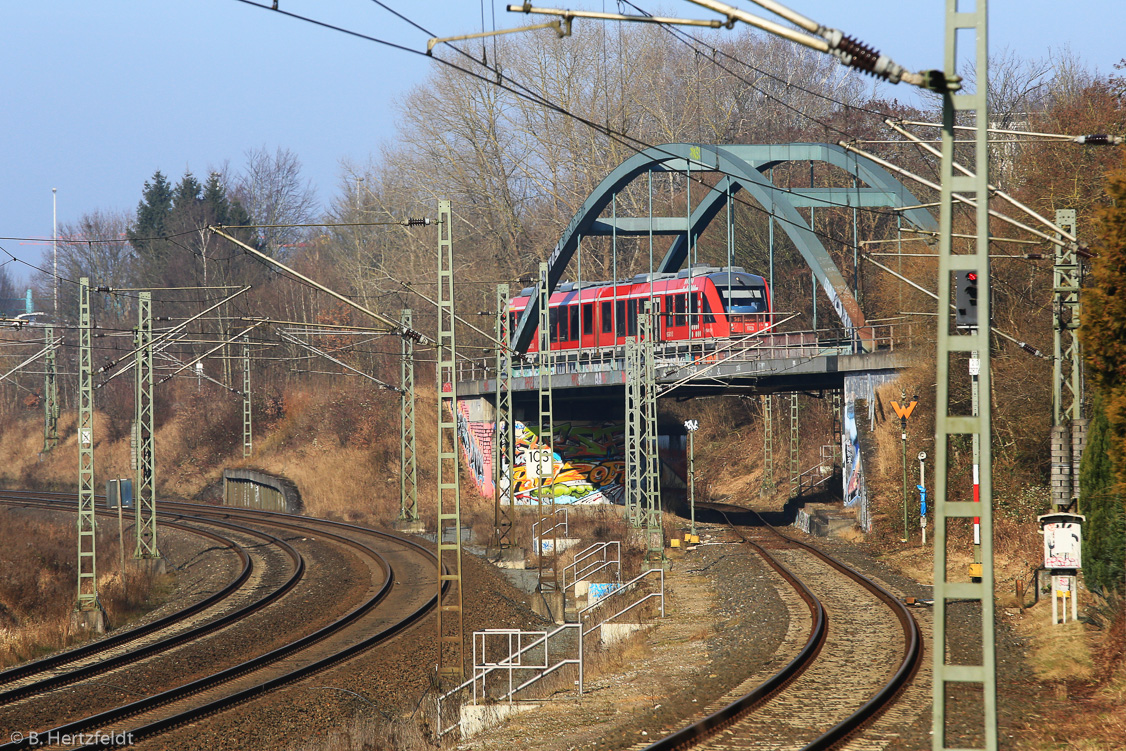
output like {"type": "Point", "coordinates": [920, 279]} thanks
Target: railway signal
{"type": "Point", "coordinates": [965, 299]}
{"type": "Point", "coordinates": [903, 413]}
{"type": "Point", "coordinates": [922, 488]}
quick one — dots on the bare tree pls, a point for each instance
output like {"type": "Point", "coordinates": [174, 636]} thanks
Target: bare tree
{"type": "Point", "coordinates": [273, 191]}
{"type": "Point", "coordinates": [95, 246]}
{"type": "Point", "coordinates": [9, 295]}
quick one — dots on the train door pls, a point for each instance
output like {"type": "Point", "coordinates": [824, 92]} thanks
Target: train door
{"type": "Point", "coordinates": [695, 321]}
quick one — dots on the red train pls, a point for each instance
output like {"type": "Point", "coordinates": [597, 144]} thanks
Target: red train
{"type": "Point", "coordinates": [698, 303]}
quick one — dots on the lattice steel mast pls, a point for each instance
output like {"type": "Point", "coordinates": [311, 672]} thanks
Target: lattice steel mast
{"type": "Point", "coordinates": [767, 488]}
{"type": "Point", "coordinates": [87, 554]}
{"type": "Point", "coordinates": [451, 625]}
{"type": "Point", "coordinates": [635, 425]}
{"type": "Point", "coordinates": [408, 463]}
{"type": "Point", "coordinates": [795, 457]}
{"type": "Point", "coordinates": [50, 393]}
{"type": "Point", "coordinates": [952, 668]}
{"type": "Point", "coordinates": [144, 489]}
{"type": "Point", "coordinates": [548, 573]}
{"type": "Point", "coordinates": [247, 426]}
{"type": "Point", "coordinates": [651, 461]}
{"type": "Point", "coordinates": [1069, 427]}
{"type": "Point", "coordinates": [504, 434]}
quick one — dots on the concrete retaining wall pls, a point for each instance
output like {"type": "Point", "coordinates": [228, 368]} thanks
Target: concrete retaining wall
{"type": "Point", "coordinates": [251, 488]}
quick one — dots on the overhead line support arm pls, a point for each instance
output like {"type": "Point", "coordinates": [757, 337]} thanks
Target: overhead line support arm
{"type": "Point", "coordinates": [395, 326]}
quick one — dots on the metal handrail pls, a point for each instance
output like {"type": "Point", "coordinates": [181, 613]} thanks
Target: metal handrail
{"type": "Point", "coordinates": [595, 566]}
{"type": "Point", "coordinates": [565, 524]}
{"type": "Point", "coordinates": [482, 671]}
{"type": "Point", "coordinates": [480, 674]}
{"type": "Point", "coordinates": [813, 485]}
{"type": "Point", "coordinates": [620, 590]}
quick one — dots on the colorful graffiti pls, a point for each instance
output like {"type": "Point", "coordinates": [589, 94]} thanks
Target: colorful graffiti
{"type": "Point", "coordinates": [588, 463]}
{"type": "Point", "coordinates": [588, 467]}
{"type": "Point", "coordinates": [854, 489]}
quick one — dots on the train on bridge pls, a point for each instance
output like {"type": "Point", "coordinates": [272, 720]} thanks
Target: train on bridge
{"type": "Point", "coordinates": [695, 303]}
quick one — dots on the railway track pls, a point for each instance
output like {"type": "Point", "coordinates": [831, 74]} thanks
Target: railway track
{"type": "Point", "coordinates": [186, 624]}
{"type": "Point", "coordinates": [862, 648]}
{"type": "Point", "coordinates": [399, 592]}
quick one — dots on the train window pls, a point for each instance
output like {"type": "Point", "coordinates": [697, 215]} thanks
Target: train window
{"type": "Point", "coordinates": [693, 308]}
{"type": "Point", "coordinates": [631, 318]}
{"type": "Point", "coordinates": [588, 318]}
{"type": "Point", "coordinates": [620, 311]}
{"type": "Point", "coordinates": [511, 323]}
{"type": "Point", "coordinates": [708, 317]}
{"type": "Point", "coordinates": [572, 322]}
{"type": "Point", "coordinates": [745, 299]}
{"type": "Point", "coordinates": [553, 323]}
{"type": "Point", "coordinates": [680, 303]}
{"type": "Point", "coordinates": [607, 317]}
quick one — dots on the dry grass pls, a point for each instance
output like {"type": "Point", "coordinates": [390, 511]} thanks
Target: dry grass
{"type": "Point", "coordinates": [38, 590]}
{"type": "Point", "coordinates": [1059, 653]}
{"type": "Point", "coordinates": [1087, 670]}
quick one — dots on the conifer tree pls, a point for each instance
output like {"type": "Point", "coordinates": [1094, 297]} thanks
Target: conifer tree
{"type": "Point", "coordinates": [1103, 336]}
{"type": "Point", "coordinates": [1104, 538]}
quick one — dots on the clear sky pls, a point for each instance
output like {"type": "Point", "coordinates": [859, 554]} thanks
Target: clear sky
{"type": "Point", "coordinates": [96, 96]}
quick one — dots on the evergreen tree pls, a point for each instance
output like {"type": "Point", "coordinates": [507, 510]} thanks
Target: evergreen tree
{"type": "Point", "coordinates": [170, 234]}
{"type": "Point", "coordinates": [1104, 536]}
{"type": "Point", "coordinates": [1103, 336]}
{"type": "Point", "coordinates": [1103, 329]}
{"type": "Point", "coordinates": [153, 214]}
{"type": "Point", "coordinates": [187, 195]}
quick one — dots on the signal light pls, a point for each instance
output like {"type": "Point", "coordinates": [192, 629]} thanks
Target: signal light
{"type": "Point", "coordinates": [965, 299]}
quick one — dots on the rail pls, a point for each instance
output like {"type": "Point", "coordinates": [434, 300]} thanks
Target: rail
{"type": "Point", "coordinates": [288, 675]}
{"type": "Point", "coordinates": [725, 717]}
{"type": "Point", "coordinates": [587, 563]}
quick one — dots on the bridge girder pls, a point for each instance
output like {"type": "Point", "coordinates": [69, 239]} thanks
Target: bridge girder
{"type": "Point", "coordinates": [744, 167]}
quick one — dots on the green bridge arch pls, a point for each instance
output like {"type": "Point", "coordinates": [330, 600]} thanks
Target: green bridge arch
{"type": "Point", "coordinates": [744, 167]}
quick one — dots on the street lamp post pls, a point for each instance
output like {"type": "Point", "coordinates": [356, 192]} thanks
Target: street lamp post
{"type": "Point", "coordinates": [55, 247]}
{"type": "Point", "coordinates": [692, 426]}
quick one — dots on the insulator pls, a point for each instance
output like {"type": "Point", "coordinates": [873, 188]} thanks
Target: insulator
{"type": "Point", "coordinates": [1030, 349]}
{"type": "Point", "coordinates": [102, 289]}
{"type": "Point", "coordinates": [415, 222]}
{"type": "Point", "coordinates": [859, 54]}
{"type": "Point", "coordinates": [1099, 139]}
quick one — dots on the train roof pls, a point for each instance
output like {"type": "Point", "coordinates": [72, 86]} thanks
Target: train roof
{"type": "Point", "coordinates": [696, 270]}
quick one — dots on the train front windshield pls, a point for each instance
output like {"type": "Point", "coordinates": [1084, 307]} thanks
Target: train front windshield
{"type": "Point", "coordinates": [744, 299]}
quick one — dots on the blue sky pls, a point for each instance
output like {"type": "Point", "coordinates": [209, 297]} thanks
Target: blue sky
{"type": "Point", "coordinates": [98, 95]}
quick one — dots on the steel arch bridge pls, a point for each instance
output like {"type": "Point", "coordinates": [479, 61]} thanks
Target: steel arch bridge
{"type": "Point", "coordinates": [744, 167]}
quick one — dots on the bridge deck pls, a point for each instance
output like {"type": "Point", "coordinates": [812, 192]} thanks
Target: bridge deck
{"type": "Point", "coordinates": [776, 363]}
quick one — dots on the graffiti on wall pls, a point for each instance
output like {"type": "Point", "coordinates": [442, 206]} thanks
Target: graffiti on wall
{"type": "Point", "coordinates": [860, 401]}
{"type": "Point", "coordinates": [854, 488]}
{"type": "Point", "coordinates": [588, 463]}
{"type": "Point", "coordinates": [588, 467]}
{"type": "Point", "coordinates": [475, 461]}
